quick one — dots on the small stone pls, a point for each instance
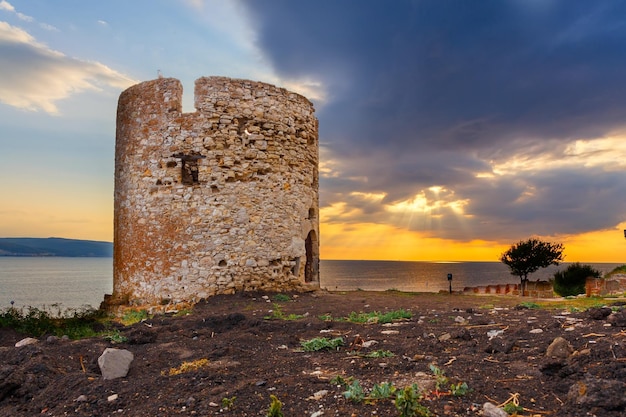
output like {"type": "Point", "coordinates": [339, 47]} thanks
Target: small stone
{"type": "Point", "coordinates": [444, 337]}
{"type": "Point", "coordinates": [27, 341]}
{"type": "Point", "coordinates": [81, 399]}
{"type": "Point", "coordinates": [490, 410]}
{"type": "Point", "coordinates": [369, 343]}
{"type": "Point", "coordinates": [390, 332]}
{"type": "Point", "coordinates": [112, 397]}
{"type": "Point", "coordinates": [319, 395]}
{"type": "Point", "coordinates": [494, 333]}
{"type": "Point", "coordinates": [536, 331]}
{"type": "Point", "coordinates": [115, 363]}
{"type": "Point", "coordinates": [52, 340]}
{"type": "Point", "coordinates": [560, 349]}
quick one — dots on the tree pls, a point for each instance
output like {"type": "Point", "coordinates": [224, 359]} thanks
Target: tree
{"type": "Point", "coordinates": [572, 281]}
{"type": "Point", "coordinates": [526, 257]}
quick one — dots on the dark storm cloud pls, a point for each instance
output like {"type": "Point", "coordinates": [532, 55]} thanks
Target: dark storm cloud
{"type": "Point", "coordinates": [426, 93]}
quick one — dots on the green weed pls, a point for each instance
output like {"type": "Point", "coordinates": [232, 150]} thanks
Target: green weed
{"type": "Point", "coordinates": [529, 305]}
{"type": "Point", "coordinates": [371, 317]}
{"type": "Point", "coordinates": [281, 297]}
{"type": "Point", "coordinates": [355, 392]}
{"type": "Point", "coordinates": [460, 389]}
{"type": "Point", "coordinates": [382, 391]}
{"type": "Point", "coordinates": [512, 408]}
{"type": "Point", "coordinates": [408, 403]}
{"type": "Point", "coordinates": [115, 337]}
{"type": "Point", "coordinates": [380, 354]}
{"type": "Point", "coordinates": [339, 380]}
{"type": "Point", "coordinates": [321, 343]}
{"type": "Point", "coordinates": [275, 409]}
{"type": "Point", "coordinates": [228, 403]}
{"type": "Point", "coordinates": [441, 380]}
{"type": "Point", "coordinates": [278, 314]}
{"type": "Point", "coordinates": [131, 317]}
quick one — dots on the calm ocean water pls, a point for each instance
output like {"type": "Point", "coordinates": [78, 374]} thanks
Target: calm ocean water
{"type": "Point", "coordinates": [76, 282]}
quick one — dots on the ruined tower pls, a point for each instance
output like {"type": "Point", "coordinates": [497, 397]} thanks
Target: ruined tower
{"type": "Point", "coordinates": [221, 200]}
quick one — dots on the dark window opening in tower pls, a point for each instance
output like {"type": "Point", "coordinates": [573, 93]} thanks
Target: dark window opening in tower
{"type": "Point", "coordinates": [190, 171]}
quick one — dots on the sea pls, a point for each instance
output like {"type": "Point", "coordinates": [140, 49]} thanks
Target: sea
{"type": "Point", "coordinates": [59, 284]}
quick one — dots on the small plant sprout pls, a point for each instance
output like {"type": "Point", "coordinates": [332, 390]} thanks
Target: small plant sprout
{"type": "Point", "coordinates": [228, 403]}
{"type": "Point", "coordinates": [341, 381]}
{"type": "Point", "coordinates": [116, 337]}
{"type": "Point", "coordinates": [408, 403]}
{"type": "Point", "coordinates": [382, 391]}
{"type": "Point", "coordinates": [441, 381]}
{"type": "Point", "coordinates": [355, 392]}
{"type": "Point", "coordinates": [275, 409]}
{"type": "Point", "coordinates": [278, 314]}
{"type": "Point", "coordinates": [380, 354]}
{"type": "Point", "coordinates": [460, 389]}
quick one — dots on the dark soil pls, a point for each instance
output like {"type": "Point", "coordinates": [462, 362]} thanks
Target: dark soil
{"type": "Point", "coordinates": [251, 356]}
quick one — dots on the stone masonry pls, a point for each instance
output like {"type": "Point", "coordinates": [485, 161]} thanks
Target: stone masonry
{"type": "Point", "coordinates": [221, 200]}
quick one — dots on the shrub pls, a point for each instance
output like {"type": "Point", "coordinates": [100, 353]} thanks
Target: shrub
{"type": "Point", "coordinates": [572, 280]}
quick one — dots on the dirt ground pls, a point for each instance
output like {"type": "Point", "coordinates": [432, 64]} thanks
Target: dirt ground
{"type": "Point", "coordinates": [249, 351]}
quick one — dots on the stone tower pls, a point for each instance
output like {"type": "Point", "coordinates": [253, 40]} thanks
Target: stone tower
{"type": "Point", "coordinates": [221, 200]}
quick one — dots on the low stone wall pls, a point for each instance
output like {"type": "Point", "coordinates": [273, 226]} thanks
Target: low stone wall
{"type": "Point", "coordinates": [600, 286]}
{"type": "Point", "coordinates": [537, 289]}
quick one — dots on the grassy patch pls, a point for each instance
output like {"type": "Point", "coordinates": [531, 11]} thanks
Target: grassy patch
{"type": "Point", "coordinates": [572, 304]}
{"type": "Point", "coordinates": [380, 354]}
{"type": "Point", "coordinates": [278, 314]}
{"type": "Point", "coordinates": [281, 297]}
{"type": "Point", "coordinates": [529, 305]}
{"type": "Point", "coordinates": [131, 317]}
{"type": "Point", "coordinates": [371, 317]}
{"type": "Point", "coordinates": [75, 323]}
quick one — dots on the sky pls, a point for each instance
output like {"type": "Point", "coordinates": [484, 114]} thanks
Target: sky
{"type": "Point", "coordinates": [449, 130]}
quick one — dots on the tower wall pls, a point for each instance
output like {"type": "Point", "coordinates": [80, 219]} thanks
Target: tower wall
{"type": "Point", "coordinates": [220, 200]}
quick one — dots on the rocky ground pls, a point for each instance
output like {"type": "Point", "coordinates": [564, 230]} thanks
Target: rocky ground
{"type": "Point", "coordinates": [232, 353]}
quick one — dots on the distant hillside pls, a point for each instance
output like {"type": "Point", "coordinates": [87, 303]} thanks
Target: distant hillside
{"type": "Point", "coordinates": [54, 246]}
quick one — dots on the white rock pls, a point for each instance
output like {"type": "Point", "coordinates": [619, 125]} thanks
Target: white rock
{"type": "Point", "coordinates": [536, 331]}
{"type": "Point", "coordinates": [115, 363]}
{"type": "Point", "coordinates": [493, 333]}
{"type": "Point", "coordinates": [112, 397]}
{"type": "Point", "coordinates": [26, 342]}
{"type": "Point", "coordinates": [369, 343]}
{"type": "Point", "coordinates": [319, 395]}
